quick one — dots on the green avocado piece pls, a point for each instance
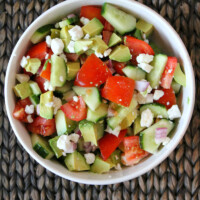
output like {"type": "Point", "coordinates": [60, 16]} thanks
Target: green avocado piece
{"type": "Point", "coordinates": [76, 162]}
{"type": "Point", "coordinates": [100, 166]}
{"type": "Point", "coordinates": [138, 34]}
{"type": "Point", "coordinates": [114, 39]}
{"type": "Point", "coordinates": [33, 65]}
{"type": "Point", "coordinates": [53, 144]}
{"type": "Point", "coordinates": [81, 44]}
{"type": "Point", "coordinates": [66, 38]}
{"type": "Point", "coordinates": [99, 45]}
{"type": "Point", "coordinates": [64, 125]}
{"type": "Point", "coordinates": [46, 109]}
{"type": "Point", "coordinates": [35, 88]}
{"type": "Point", "coordinates": [72, 70]}
{"type": "Point", "coordinates": [137, 127]}
{"type": "Point", "coordinates": [179, 76]}
{"type": "Point", "coordinates": [94, 27]}
{"type": "Point", "coordinates": [145, 27]}
{"type": "Point", "coordinates": [89, 131]}
{"type": "Point", "coordinates": [22, 90]}
{"type": "Point", "coordinates": [55, 33]}
{"type": "Point", "coordinates": [121, 53]}
{"type": "Point", "coordinates": [100, 129]}
{"type": "Point", "coordinates": [176, 86]}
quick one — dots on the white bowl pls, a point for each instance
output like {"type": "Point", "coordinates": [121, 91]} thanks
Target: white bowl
{"type": "Point", "coordinates": [169, 41]}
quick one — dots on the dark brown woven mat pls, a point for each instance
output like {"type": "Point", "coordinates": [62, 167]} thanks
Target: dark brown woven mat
{"type": "Point", "coordinates": [178, 177]}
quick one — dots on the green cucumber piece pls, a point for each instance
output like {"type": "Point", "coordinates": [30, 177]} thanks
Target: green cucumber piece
{"type": "Point", "coordinates": [53, 144]}
{"type": "Point", "coordinates": [35, 88]}
{"type": "Point", "coordinates": [137, 34]}
{"type": "Point", "coordinates": [41, 146]}
{"type": "Point", "coordinates": [35, 100]}
{"type": "Point", "coordinates": [145, 27]}
{"type": "Point", "coordinates": [68, 21]}
{"type": "Point", "coordinates": [119, 19]}
{"type": "Point", "coordinates": [147, 137]}
{"type": "Point", "coordinates": [179, 76]}
{"type": "Point", "coordinates": [90, 95]}
{"type": "Point", "coordinates": [158, 64]}
{"type": "Point", "coordinates": [100, 129]}
{"type": "Point", "coordinates": [176, 87]}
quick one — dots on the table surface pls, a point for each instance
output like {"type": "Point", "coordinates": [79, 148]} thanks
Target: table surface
{"type": "Point", "coordinates": [177, 177]}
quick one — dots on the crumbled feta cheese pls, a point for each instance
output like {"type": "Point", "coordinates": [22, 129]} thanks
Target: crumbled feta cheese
{"type": "Point", "coordinates": [38, 109]}
{"type": "Point", "coordinates": [29, 109]}
{"type": "Point", "coordinates": [63, 56]}
{"type": "Point", "coordinates": [166, 141]}
{"type": "Point", "coordinates": [144, 36]}
{"type": "Point", "coordinates": [23, 62]}
{"type": "Point", "coordinates": [71, 47]}
{"type": "Point", "coordinates": [57, 46]}
{"type": "Point", "coordinates": [99, 55]}
{"type": "Point", "coordinates": [49, 104]}
{"type": "Point", "coordinates": [47, 55]}
{"type": "Point", "coordinates": [28, 57]}
{"type": "Point", "coordinates": [158, 94]}
{"type": "Point", "coordinates": [87, 36]}
{"type": "Point", "coordinates": [84, 20]}
{"type": "Point", "coordinates": [114, 132]}
{"type": "Point", "coordinates": [48, 40]}
{"type": "Point", "coordinates": [146, 67]}
{"type": "Point", "coordinates": [85, 48]}
{"type": "Point", "coordinates": [174, 112]}
{"type": "Point", "coordinates": [90, 158]}
{"type": "Point", "coordinates": [30, 119]}
{"type": "Point", "coordinates": [118, 167]}
{"type": "Point", "coordinates": [160, 116]}
{"type": "Point", "coordinates": [22, 78]}
{"type": "Point", "coordinates": [143, 100]}
{"type": "Point", "coordinates": [76, 33]}
{"type": "Point", "coordinates": [48, 86]}
{"type": "Point", "coordinates": [61, 78]}
{"type": "Point", "coordinates": [107, 52]}
{"type": "Point", "coordinates": [74, 137]}
{"type": "Point", "coordinates": [146, 118]}
{"type": "Point", "coordinates": [75, 98]}
{"type": "Point", "coordinates": [144, 58]}
{"type": "Point", "coordinates": [57, 25]}
{"type": "Point", "coordinates": [57, 103]}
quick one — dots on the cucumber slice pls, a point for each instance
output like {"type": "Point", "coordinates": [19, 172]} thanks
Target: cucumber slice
{"type": "Point", "coordinates": [158, 64]}
{"type": "Point", "coordinates": [90, 95]}
{"type": "Point", "coordinates": [35, 88]}
{"type": "Point", "coordinates": [145, 27]}
{"type": "Point", "coordinates": [41, 146]}
{"type": "Point", "coordinates": [134, 73]}
{"type": "Point", "coordinates": [41, 33]}
{"type": "Point", "coordinates": [138, 34]}
{"type": "Point", "coordinates": [98, 114]}
{"type": "Point", "coordinates": [156, 109]}
{"type": "Point", "coordinates": [120, 20]}
{"type": "Point", "coordinates": [68, 21]}
{"type": "Point", "coordinates": [34, 99]}
{"type": "Point", "coordinates": [53, 144]}
{"type": "Point", "coordinates": [100, 129]}
{"type": "Point", "coordinates": [176, 87]}
{"type": "Point", "coordinates": [147, 137]}
{"type": "Point", "coordinates": [179, 76]}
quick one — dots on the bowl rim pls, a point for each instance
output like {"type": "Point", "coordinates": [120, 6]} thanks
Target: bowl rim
{"type": "Point", "coordinates": [114, 179]}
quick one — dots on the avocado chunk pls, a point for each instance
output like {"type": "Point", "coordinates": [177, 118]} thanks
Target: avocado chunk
{"type": "Point", "coordinates": [137, 127]}
{"type": "Point", "coordinates": [72, 70]}
{"type": "Point", "coordinates": [53, 144]}
{"type": "Point", "coordinates": [176, 86]}
{"type": "Point", "coordinates": [145, 27]}
{"type": "Point", "coordinates": [76, 162]}
{"type": "Point", "coordinates": [179, 76]}
{"type": "Point", "coordinates": [100, 129]}
{"type": "Point", "coordinates": [35, 88]}
{"type": "Point", "coordinates": [58, 71]}
{"type": "Point", "coordinates": [66, 38]}
{"type": "Point", "coordinates": [22, 90]}
{"type": "Point", "coordinates": [94, 27]}
{"type": "Point", "coordinates": [55, 33]}
{"type": "Point", "coordinates": [100, 166]}
{"type": "Point", "coordinates": [99, 45]}
{"type": "Point", "coordinates": [114, 39]}
{"type": "Point", "coordinates": [89, 131]}
{"type": "Point", "coordinates": [81, 45]}
{"type": "Point", "coordinates": [121, 53]}
{"type": "Point", "coordinates": [64, 125]}
{"type": "Point", "coordinates": [46, 105]}
{"type": "Point", "coordinates": [33, 65]}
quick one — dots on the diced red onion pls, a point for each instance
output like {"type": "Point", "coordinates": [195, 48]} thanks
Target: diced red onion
{"type": "Point", "coordinates": [71, 16]}
{"type": "Point", "coordinates": [77, 131]}
{"type": "Point", "coordinates": [38, 109]}
{"type": "Point", "coordinates": [89, 147]}
{"type": "Point", "coordinates": [110, 66]}
{"type": "Point", "coordinates": [160, 134]}
{"type": "Point", "coordinates": [74, 146]}
{"type": "Point", "coordinates": [141, 86]}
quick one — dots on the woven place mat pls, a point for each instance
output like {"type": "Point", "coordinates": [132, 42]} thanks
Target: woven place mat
{"type": "Point", "coordinates": [178, 177]}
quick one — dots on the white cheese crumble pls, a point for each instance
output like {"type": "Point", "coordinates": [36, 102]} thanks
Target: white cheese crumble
{"type": "Point", "coordinates": [99, 55]}
{"type": "Point", "coordinates": [84, 20]}
{"type": "Point", "coordinates": [85, 48]}
{"type": "Point", "coordinates": [147, 91]}
{"type": "Point", "coordinates": [118, 167]}
{"type": "Point", "coordinates": [22, 78]}
{"type": "Point", "coordinates": [38, 109]}
{"type": "Point", "coordinates": [174, 112]}
{"type": "Point", "coordinates": [115, 132]}
{"type": "Point", "coordinates": [48, 40]}
{"type": "Point", "coordinates": [87, 36]}
{"type": "Point", "coordinates": [29, 109]}
{"type": "Point", "coordinates": [23, 62]}
{"type": "Point", "coordinates": [160, 116]}
{"type": "Point", "coordinates": [146, 118]}
{"type": "Point", "coordinates": [146, 67]}
{"type": "Point", "coordinates": [57, 103]}
{"type": "Point", "coordinates": [30, 119]}
{"type": "Point", "coordinates": [75, 98]}
{"type": "Point", "coordinates": [144, 58]}
{"type": "Point", "coordinates": [71, 47]}
{"type": "Point", "coordinates": [107, 52]}
{"type": "Point", "coordinates": [76, 33]}
{"type": "Point", "coordinates": [48, 86]}
{"type": "Point", "coordinates": [158, 94]}
{"type": "Point", "coordinates": [90, 158]}
{"type": "Point", "coordinates": [143, 100]}
{"type": "Point", "coordinates": [63, 56]}
{"type": "Point", "coordinates": [57, 46]}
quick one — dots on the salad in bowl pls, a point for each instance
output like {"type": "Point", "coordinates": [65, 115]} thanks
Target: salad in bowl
{"type": "Point", "coordinates": [95, 92]}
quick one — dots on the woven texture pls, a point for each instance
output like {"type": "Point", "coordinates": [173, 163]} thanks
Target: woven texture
{"type": "Point", "coordinates": [178, 177]}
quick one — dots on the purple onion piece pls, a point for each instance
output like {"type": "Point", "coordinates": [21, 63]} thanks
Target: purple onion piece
{"type": "Point", "coordinates": [141, 86]}
{"type": "Point", "coordinates": [110, 66]}
{"type": "Point", "coordinates": [71, 16]}
{"type": "Point", "coordinates": [160, 134]}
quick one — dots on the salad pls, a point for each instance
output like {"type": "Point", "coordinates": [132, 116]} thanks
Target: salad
{"type": "Point", "coordinates": [95, 92]}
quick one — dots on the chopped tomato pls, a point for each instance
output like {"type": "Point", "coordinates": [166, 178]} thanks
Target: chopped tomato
{"type": "Point", "coordinates": [39, 51]}
{"type": "Point", "coordinates": [106, 36]}
{"type": "Point", "coordinates": [19, 111]}
{"type": "Point", "coordinates": [168, 99]}
{"type": "Point", "coordinates": [168, 73]}
{"type": "Point", "coordinates": [91, 12]}
{"type": "Point", "coordinates": [92, 73]}
{"type": "Point", "coordinates": [119, 89]}
{"type": "Point", "coordinates": [76, 111]}
{"type": "Point", "coordinates": [42, 126]}
{"type": "Point", "coordinates": [108, 27]}
{"type": "Point", "coordinates": [72, 56]}
{"type": "Point", "coordinates": [137, 47]}
{"type": "Point", "coordinates": [132, 151]}
{"type": "Point", "coordinates": [109, 142]}
{"type": "Point", "coordinates": [118, 66]}
{"type": "Point", "coordinates": [40, 81]}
